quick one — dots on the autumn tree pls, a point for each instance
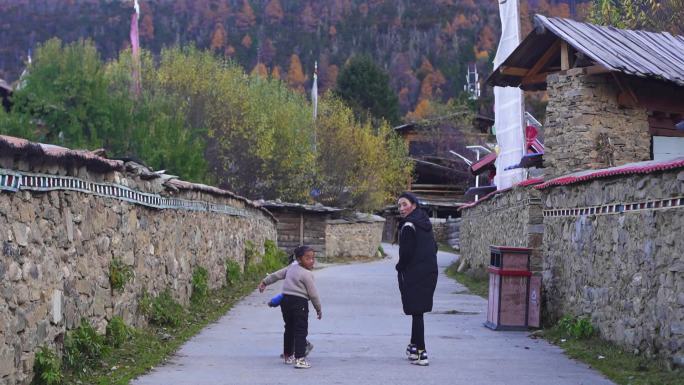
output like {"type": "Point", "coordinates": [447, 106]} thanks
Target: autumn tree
{"type": "Point", "coordinates": [260, 70]}
{"type": "Point", "coordinates": [295, 74]}
{"type": "Point", "coordinates": [275, 73]}
{"type": "Point", "coordinates": [245, 18]}
{"type": "Point", "coordinates": [358, 165]}
{"type": "Point", "coordinates": [218, 38]}
{"type": "Point", "coordinates": [308, 19]}
{"type": "Point", "coordinates": [147, 27]}
{"type": "Point", "coordinates": [651, 15]}
{"type": "Point", "coordinates": [274, 12]}
{"type": "Point", "coordinates": [365, 87]}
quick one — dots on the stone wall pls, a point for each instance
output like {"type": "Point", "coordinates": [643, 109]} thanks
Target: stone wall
{"type": "Point", "coordinates": [353, 238]}
{"type": "Point", "coordinates": [586, 129]}
{"type": "Point", "coordinates": [440, 229]}
{"type": "Point", "coordinates": [57, 248]}
{"type": "Point", "coordinates": [511, 218]}
{"type": "Point", "coordinates": [624, 270]}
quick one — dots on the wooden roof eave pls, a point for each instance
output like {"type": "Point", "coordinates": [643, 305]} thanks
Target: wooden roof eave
{"type": "Point", "coordinates": [540, 54]}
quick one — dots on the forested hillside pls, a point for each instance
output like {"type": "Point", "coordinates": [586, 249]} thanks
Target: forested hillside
{"type": "Point", "coordinates": [425, 46]}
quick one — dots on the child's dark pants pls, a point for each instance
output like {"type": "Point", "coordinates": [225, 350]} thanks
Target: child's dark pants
{"type": "Point", "coordinates": [296, 316]}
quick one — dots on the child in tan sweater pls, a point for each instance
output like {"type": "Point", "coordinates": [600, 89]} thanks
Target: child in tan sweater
{"type": "Point", "coordinates": [298, 289]}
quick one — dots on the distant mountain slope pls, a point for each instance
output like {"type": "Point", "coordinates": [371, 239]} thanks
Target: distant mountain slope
{"type": "Point", "coordinates": [424, 45]}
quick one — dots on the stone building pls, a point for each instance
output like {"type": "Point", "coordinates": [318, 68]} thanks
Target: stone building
{"type": "Point", "coordinates": [67, 216]}
{"type": "Point", "coordinates": [604, 219]}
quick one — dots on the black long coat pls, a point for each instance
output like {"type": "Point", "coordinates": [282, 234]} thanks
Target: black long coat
{"type": "Point", "coordinates": [417, 267]}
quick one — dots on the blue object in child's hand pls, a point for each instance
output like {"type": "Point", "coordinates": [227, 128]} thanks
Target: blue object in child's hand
{"type": "Point", "coordinates": [275, 301]}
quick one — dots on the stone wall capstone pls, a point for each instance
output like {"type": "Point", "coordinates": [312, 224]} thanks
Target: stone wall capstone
{"type": "Point", "coordinates": [585, 128]}
{"type": "Point", "coordinates": [56, 248]}
{"type": "Point", "coordinates": [623, 270]}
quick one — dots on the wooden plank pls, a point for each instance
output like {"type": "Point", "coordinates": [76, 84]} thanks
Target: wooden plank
{"type": "Point", "coordinates": [544, 59]}
{"type": "Point", "coordinates": [565, 62]}
{"type": "Point", "coordinates": [655, 131]}
{"type": "Point", "coordinates": [535, 79]}
{"type": "Point", "coordinates": [596, 69]}
{"type": "Point", "coordinates": [514, 71]}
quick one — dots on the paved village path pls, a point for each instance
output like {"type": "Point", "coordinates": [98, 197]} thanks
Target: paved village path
{"type": "Point", "coordinates": [362, 337]}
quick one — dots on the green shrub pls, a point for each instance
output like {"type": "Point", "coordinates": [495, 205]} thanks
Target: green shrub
{"type": "Point", "coordinates": [117, 332]}
{"type": "Point", "coordinates": [233, 273]}
{"type": "Point", "coordinates": [119, 274]}
{"type": "Point", "coordinates": [47, 369]}
{"type": "Point", "coordinates": [162, 310]}
{"type": "Point", "coordinates": [578, 328]}
{"type": "Point", "coordinates": [82, 347]}
{"type": "Point", "coordinates": [200, 285]}
{"type": "Point", "coordinates": [272, 260]}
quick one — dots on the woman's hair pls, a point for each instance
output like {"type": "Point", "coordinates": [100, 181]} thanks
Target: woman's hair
{"type": "Point", "coordinates": [410, 197]}
{"type": "Point", "coordinates": [299, 251]}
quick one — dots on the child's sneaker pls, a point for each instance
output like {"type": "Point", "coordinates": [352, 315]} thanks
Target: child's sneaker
{"type": "Point", "coordinates": [412, 352]}
{"type": "Point", "coordinates": [289, 360]}
{"type": "Point", "coordinates": [302, 363]}
{"type": "Point", "coordinates": [422, 359]}
{"type": "Point", "coordinates": [309, 348]}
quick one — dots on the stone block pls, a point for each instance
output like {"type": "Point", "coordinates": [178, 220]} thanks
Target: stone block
{"type": "Point", "coordinates": [6, 361]}
{"type": "Point", "coordinates": [21, 233]}
{"type": "Point", "coordinates": [57, 305]}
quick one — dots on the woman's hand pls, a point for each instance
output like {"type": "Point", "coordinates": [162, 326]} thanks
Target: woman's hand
{"type": "Point", "coordinates": [261, 286]}
{"type": "Point", "coordinates": [319, 314]}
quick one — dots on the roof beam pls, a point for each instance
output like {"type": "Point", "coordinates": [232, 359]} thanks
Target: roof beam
{"type": "Point", "coordinates": [546, 57]}
{"type": "Point", "coordinates": [596, 69]}
{"type": "Point", "coordinates": [534, 79]}
{"type": "Point", "coordinates": [514, 71]}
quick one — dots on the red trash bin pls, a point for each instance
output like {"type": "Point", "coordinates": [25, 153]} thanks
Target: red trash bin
{"type": "Point", "coordinates": [514, 295]}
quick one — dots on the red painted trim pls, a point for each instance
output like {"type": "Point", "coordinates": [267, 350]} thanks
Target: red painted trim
{"type": "Point", "coordinates": [525, 183]}
{"type": "Point", "coordinates": [627, 169]}
{"type": "Point", "coordinates": [509, 273]}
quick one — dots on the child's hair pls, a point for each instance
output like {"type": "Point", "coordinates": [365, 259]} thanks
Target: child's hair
{"type": "Point", "coordinates": [299, 251]}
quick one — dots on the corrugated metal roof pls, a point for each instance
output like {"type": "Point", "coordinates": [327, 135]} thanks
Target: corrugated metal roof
{"type": "Point", "coordinates": [639, 53]}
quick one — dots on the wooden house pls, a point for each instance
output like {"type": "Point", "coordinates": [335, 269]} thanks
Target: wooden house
{"type": "Point", "coordinates": [300, 224]}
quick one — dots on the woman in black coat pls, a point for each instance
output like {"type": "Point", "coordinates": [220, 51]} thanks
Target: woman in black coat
{"type": "Point", "coordinates": [416, 270]}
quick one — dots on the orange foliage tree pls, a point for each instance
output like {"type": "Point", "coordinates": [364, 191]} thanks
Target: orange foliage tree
{"type": "Point", "coordinates": [274, 12]}
{"type": "Point", "coordinates": [295, 74]}
{"type": "Point", "coordinates": [218, 38]}
{"type": "Point", "coordinates": [245, 18]}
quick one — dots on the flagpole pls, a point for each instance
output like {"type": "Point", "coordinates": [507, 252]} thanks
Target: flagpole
{"type": "Point", "coordinates": [314, 102]}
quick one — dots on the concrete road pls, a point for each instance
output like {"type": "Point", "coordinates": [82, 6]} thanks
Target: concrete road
{"type": "Point", "coordinates": [362, 337]}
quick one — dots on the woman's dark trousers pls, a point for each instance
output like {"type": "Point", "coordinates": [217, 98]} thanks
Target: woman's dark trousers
{"type": "Point", "coordinates": [296, 316]}
{"type": "Point", "coordinates": [418, 331]}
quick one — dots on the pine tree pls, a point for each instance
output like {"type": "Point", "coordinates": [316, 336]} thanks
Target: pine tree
{"type": "Point", "coordinates": [366, 88]}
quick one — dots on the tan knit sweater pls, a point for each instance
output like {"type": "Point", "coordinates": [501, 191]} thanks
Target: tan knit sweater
{"type": "Point", "coordinates": [298, 281]}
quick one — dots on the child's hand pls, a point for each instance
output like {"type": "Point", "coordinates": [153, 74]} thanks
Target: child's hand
{"type": "Point", "coordinates": [262, 286]}
{"type": "Point", "coordinates": [319, 314]}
